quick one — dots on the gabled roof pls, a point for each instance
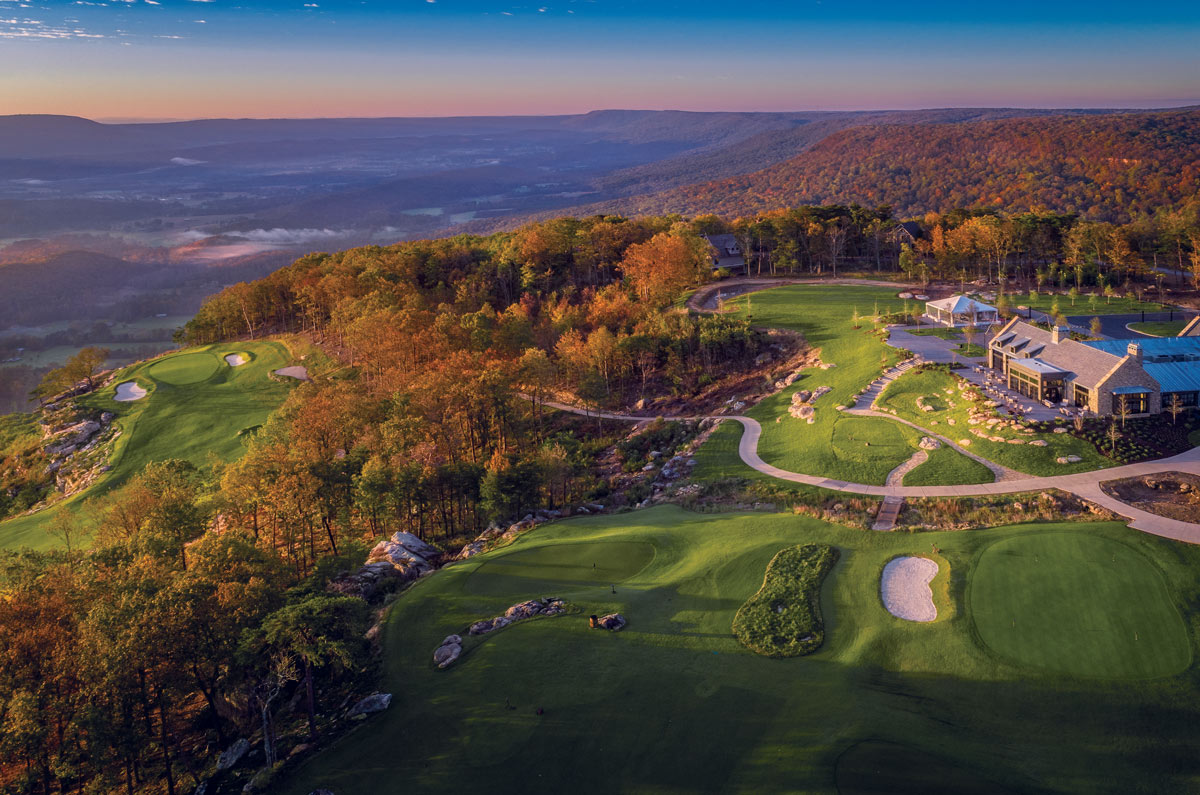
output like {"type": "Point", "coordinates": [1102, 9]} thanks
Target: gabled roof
{"type": "Point", "coordinates": [1086, 366]}
{"type": "Point", "coordinates": [960, 304]}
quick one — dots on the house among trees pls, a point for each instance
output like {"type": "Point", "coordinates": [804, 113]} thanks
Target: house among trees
{"type": "Point", "coordinates": [1129, 377]}
{"type": "Point", "coordinates": [726, 253]}
{"type": "Point", "coordinates": [958, 310]}
{"type": "Point", "coordinates": [907, 232]}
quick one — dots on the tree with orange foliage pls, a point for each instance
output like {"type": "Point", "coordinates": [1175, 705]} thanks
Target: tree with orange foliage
{"type": "Point", "coordinates": [664, 265]}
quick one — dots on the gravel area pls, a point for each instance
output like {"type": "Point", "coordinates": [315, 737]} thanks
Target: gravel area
{"type": "Point", "coordinates": [905, 588]}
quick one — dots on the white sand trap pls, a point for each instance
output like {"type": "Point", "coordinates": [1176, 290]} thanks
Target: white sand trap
{"type": "Point", "coordinates": [295, 371]}
{"type": "Point", "coordinates": [129, 391]}
{"type": "Point", "coordinates": [905, 588]}
{"type": "Point", "coordinates": [235, 359]}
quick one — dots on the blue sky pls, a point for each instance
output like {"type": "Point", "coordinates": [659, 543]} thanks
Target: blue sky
{"type": "Point", "coordinates": [198, 58]}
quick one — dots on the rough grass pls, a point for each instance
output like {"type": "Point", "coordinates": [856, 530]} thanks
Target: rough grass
{"type": "Point", "coordinates": [932, 384]}
{"type": "Point", "coordinates": [948, 466]}
{"type": "Point", "coordinates": [784, 618]}
{"type": "Point", "coordinates": [1162, 328]}
{"type": "Point", "coordinates": [176, 420]}
{"type": "Point", "coordinates": [1074, 604]}
{"type": "Point", "coordinates": [627, 711]}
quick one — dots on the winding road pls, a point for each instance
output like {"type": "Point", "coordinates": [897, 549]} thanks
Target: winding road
{"type": "Point", "coordinates": [1085, 485]}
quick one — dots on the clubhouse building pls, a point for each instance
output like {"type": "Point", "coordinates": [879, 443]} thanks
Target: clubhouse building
{"type": "Point", "coordinates": [1149, 375]}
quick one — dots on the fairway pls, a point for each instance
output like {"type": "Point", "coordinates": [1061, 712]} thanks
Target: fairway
{"type": "Point", "coordinates": [1077, 604]}
{"type": "Point", "coordinates": [196, 406]}
{"type": "Point", "coordinates": [674, 703]}
{"type": "Point", "coordinates": [561, 566]}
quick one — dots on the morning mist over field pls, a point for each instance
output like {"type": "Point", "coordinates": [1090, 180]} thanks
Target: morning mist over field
{"type": "Point", "coordinates": [599, 396]}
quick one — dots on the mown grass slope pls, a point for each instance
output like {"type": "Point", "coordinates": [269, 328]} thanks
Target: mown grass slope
{"type": "Point", "coordinates": [675, 703]}
{"type": "Point", "coordinates": [197, 406]}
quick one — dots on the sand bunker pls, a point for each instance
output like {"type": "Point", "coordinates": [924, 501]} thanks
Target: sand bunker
{"type": "Point", "coordinates": [295, 371]}
{"type": "Point", "coordinates": [129, 391]}
{"type": "Point", "coordinates": [235, 359]}
{"type": "Point", "coordinates": [905, 588]}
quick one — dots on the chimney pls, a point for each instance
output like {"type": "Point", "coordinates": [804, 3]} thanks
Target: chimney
{"type": "Point", "coordinates": [1057, 334]}
{"type": "Point", "coordinates": [1134, 350]}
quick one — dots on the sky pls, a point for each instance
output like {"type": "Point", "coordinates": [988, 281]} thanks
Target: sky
{"type": "Point", "coordinates": [183, 59]}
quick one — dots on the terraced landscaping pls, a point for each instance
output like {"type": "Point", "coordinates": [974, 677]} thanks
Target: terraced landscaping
{"type": "Point", "coordinates": [930, 385]}
{"type": "Point", "coordinates": [595, 711]}
{"type": "Point", "coordinates": [197, 405]}
{"type": "Point", "coordinates": [856, 449]}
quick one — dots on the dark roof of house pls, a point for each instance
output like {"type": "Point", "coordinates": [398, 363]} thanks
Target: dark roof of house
{"type": "Point", "coordinates": [725, 246]}
{"type": "Point", "coordinates": [1085, 365]}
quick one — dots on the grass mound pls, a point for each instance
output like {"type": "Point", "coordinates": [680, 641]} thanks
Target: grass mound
{"type": "Point", "coordinates": [185, 368]}
{"type": "Point", "coordinates": [947, 465]}
{"type": "Point", "coordinates": [1077, 604]}
{"type": "Point", "coordinates": [784, 618]}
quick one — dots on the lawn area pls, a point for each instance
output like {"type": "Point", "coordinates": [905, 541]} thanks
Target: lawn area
{"type": "Point", "coordinates": [1070, 603]}
{"type": "Point", "coordinates": [971, 350]}
{"type": "Point", "coordinates": [674, 703]}
{"type": "Point", "coordinates": [1161, 328]}
{"type": "Point", "coordinates": [902, 395]}
{"type": "Point", "coordinates": [948, 466]}
{"type": "Point", "coordinates": [197, 404]}
{"type": "Point", "coordinates": [835, 445]}
{"type": "Point", "coordinates": [949, 334]}
{"type": "Point", "coordinates": [1085, 304]}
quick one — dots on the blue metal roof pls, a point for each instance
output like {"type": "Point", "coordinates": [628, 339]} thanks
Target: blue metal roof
{"type": "Point", "coordinates": [1174, 362]}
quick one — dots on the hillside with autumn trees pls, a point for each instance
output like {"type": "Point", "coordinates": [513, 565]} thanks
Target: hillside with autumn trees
{"type": "Point", "coordinates": [1102, 167]}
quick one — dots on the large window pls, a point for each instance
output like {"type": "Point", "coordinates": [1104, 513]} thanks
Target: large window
{"type": "Point", "coordinates": [1185, 400]}
{"type": "Point", "coordinates": [1028, 385]}
{"type": "Point", "coordinates": [1131, 403]}
{"type": "Point", "coordinates": [1082, 396]}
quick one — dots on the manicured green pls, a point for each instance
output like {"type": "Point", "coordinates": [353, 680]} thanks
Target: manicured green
{"type": "Point", "coordinates": [823, 315]}
{"type": "Point", "coordinates": [561, 566]}
{"type": "Point", "coordinates": [1161, 328]}
{"type": "Point", "coordinates": [180, 418]}
{"type": "Point", "coordinates": [1084, 305]}
{"type": "Point", "coordinates": [185, 368]}
{"type": "Point", "coordinates": [674, 703]}
{"type": "Point", "coordinates": [941, 332]}
{"type": "Point", "coordinates": [948, 466]}
{"type": "Point", "coordinates": [902, 395]}
{"type": "Point", "coordinates": [784, 618]}
{"type": "Point", "coordinates": [1075, 604]}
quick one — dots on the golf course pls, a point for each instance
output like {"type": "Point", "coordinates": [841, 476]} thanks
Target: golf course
{"type": "Point", "coordinates": [1058, 661]}
{"type": "Point", "coordinates": [187, 405]}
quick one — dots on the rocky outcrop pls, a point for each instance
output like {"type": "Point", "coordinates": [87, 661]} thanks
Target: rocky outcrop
{"type": "Point", "coordinates": [450, 650]}
{"type": "Point", "coordinates": [398, 560]}
{"type": "Point", "coordinates": [519, 612]}
{"type": "Point", "coordinates": [232, 755]}
{"type": "Point", "coordinates": [929, 443]}
{"type": "Point", "coordinates": [376, 702]}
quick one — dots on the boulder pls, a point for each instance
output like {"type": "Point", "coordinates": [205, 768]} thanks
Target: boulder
{"type": "Point", "coordinates": [929, 443]}
{"type": "Point", "coordinates": [1038, 443]}
{"type": "Point", "coordinates": [232, 755]}
{"type": "Point", "coordinates": [445, 655]}
{"type": "Point", "coordinates": [524, 610]}
{"type": "Point", "coordinates": [376, 702]}
{"type": "Point", "coordinates": [612, 621]}
{"type": "Point", "coordinates": [802, 396]}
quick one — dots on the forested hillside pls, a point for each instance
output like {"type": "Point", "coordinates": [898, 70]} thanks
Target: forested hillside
{"type": "Point", "coordinates": [1101, 167]}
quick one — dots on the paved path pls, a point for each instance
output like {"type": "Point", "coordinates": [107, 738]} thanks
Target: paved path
{"type": "Point", "coordinates": [1083, 484]}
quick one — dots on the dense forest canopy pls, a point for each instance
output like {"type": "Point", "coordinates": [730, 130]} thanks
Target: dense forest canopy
{"type": "Point", "coordinates": [1109, 168]}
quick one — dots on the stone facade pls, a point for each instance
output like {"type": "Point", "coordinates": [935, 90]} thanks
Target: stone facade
{"type": "Point", "coordinates": [1129, 373]}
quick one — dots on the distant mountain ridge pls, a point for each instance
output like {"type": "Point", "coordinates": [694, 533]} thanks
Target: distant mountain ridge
{"type": "Point", "coordinates": [1104, 166]}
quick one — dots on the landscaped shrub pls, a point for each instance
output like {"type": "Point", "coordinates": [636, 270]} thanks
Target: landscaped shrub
{"type": "Point", "coordinates": [784, 618]}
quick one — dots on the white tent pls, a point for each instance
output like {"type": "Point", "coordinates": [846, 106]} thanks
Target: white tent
{"type": "Point", "coordinates": [959, 310]}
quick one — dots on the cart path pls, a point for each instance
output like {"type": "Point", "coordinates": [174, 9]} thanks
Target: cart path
{"type": "Point", "coordinates": [1082, 484]}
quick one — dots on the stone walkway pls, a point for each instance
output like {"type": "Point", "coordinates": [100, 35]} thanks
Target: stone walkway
{"type": "Point", "coordinates": [896, 476]}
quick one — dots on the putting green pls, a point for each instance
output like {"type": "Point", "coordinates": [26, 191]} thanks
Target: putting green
{"type": "Point", "coordinates": [561, 566]}
{"type": "Point", "coordinates": [863, 439]}
{"type": "Point", "coordinates": [186, 368]}
{"type": "Point", "coordinates": [1077, 604]}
